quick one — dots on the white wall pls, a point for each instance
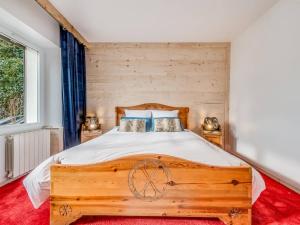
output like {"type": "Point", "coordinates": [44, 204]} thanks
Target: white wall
{"type": "Point", "coordinates": [265, 91]}
{"type": "Point", "coordinates": [27, 22]}
{"type": "Point", "coordinates": [31, 14]}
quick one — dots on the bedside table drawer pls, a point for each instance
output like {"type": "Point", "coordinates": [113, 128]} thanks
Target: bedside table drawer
{"type": "Point", "coordinates": [89, 135]}
{"type": "Point", "coordinates": [215, 139]}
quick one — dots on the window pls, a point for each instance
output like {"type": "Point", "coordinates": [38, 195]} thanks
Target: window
{"type": "Point", "coordinates": [19, 67]}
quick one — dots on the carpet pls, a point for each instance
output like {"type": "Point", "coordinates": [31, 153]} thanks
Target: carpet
{"type": "Point", "coordinates": [277, 205]}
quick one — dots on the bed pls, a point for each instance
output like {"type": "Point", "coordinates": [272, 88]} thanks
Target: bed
{"type": "Point", "coordinates": [171, 174]}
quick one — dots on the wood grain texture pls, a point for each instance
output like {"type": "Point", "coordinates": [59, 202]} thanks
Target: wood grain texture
{"type": "Point", "coordinates": [151, 185]}
{"type": "Point", "coordinates": [182, 74]}
{"type": "Point", "coordinates": [52, 11]}
{"type": "Point", "coordinates": [182, 111]}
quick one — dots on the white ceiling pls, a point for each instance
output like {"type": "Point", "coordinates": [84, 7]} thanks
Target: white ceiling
{"type": "Point", "coordinates": [161, 20]}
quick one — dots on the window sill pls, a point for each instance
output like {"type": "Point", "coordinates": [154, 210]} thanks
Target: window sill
{"type": "Point", "coordinates": [18, 128]}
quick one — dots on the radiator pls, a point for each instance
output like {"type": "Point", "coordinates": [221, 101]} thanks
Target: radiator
{"type": "Point", "coordinates": [24, 151]}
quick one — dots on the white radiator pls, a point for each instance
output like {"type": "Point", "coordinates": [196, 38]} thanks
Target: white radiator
{"type": "Point", "coordinates": [24, 151]}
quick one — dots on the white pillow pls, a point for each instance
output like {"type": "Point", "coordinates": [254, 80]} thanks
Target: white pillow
{"type": "Point", "coordinates": [138, 113]}
{"type": "Point", "coordinates": [164, 113]}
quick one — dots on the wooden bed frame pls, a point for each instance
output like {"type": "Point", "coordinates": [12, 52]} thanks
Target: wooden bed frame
{"type": "Point", "coordinates": [182, 111]}
{"type": "Point", "coordinates": [151, 185]}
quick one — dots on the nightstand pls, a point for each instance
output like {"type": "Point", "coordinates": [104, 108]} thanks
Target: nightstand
{"type": "Point", "coordinates": [215, 137]}
{"type": "Point", "coordinates": [89, 135]}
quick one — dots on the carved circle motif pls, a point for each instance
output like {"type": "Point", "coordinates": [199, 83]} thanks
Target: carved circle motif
{"type": "Point", "coordinates": [65, 210]}
{"type": "Point", "coordinates": [234, 212]}
{"type": "Point", "coordinates": [148, 179]}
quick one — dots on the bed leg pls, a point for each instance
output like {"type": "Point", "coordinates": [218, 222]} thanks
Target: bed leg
{"type": "Point", "coordinates": [58, 220]}
{"type": "Point", "coordinates": [234, 217]}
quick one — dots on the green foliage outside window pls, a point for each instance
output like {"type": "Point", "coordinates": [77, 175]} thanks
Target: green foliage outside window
{"type": "Point", "coordinates": [12, 57]}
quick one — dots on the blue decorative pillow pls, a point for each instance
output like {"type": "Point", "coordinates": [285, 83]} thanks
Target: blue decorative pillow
{"type": "Point", "coordinates": [167, 125]}
{"type": "Point", "coordinates": [147, 120]}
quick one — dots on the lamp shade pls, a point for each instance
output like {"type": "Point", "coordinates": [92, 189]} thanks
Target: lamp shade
{"type": "Point", "coordinates": [211, 124]}
{"type": "Point", "coordinates": [92, 123]}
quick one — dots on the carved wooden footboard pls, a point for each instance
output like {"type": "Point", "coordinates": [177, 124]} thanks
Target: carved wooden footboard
{"type": "Point", "coordinates": [151, 185]}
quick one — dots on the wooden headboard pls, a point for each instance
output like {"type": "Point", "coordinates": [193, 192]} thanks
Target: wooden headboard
{"type": "Point", "coordinates": [183, 111]}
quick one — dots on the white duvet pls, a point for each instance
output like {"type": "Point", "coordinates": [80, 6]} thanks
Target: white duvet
{"type": "Point", "coordinates": [114, 144]}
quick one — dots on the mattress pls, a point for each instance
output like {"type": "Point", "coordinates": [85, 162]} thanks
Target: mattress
{"type": "Point", "coordinates": [114, 144]}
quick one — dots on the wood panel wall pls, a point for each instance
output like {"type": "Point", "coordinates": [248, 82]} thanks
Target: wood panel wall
{"type": "Point", "coordinates": [177, 74]}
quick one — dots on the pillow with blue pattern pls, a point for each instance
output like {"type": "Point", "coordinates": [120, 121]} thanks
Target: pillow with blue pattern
{"type": "Point", "coordinates": [147, 120]}
{"type": "Point", "coordinates": [166, 124]}
{"type": "Point", "coordinates": [132, 125]}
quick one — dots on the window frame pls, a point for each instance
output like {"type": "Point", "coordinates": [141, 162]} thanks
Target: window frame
{"type": "Point", "coordinates": [19, 40]}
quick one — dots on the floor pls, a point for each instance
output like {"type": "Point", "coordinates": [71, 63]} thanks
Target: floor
{"type": "Point", "coordinates": [277, 205]}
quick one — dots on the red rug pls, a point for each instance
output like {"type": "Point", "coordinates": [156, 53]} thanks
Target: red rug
{"type": "Point", "coordinates": [277, 205]}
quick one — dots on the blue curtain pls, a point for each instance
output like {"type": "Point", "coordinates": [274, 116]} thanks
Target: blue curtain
{"type": "Point", "coordinates": [73, 87]}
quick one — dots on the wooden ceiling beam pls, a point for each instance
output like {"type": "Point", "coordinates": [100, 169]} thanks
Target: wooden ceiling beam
{"type": "Point", "coordinates": [52, 11]}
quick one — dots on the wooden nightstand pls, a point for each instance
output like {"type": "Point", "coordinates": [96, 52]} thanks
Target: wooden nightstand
{"type": "Point", "coordinates": [89, 135]}
{"type": "Point", "coordinates": [215, 137]}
